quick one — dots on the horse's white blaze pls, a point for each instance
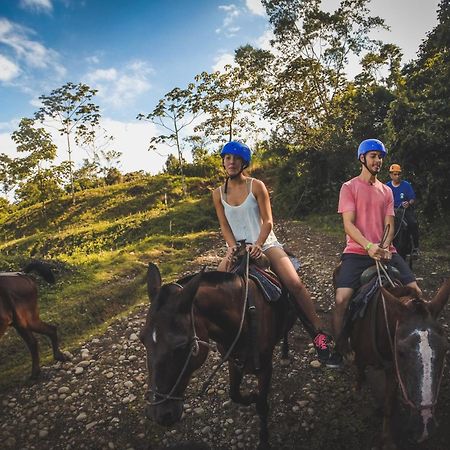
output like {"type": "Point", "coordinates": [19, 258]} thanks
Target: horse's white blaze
{"type": "Point", "coordinates": [154, 336]}
{"type": "Point", "coordinates": [425, 353]}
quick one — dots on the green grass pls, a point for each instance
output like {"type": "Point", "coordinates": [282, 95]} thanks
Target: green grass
{"type": "Point", "coordinates": [100, 247]}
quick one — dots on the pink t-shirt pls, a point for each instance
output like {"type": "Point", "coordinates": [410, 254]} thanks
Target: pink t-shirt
{"type": "Point", "coordinates": [371, 204]}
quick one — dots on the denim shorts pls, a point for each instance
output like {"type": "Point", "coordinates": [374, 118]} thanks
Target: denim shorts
{"type": "Point", "coordinates": [353, 265]}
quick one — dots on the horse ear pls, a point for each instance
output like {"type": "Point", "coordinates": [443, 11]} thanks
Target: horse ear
{"type": "Point", "coordinates": [395, 305]}
{"type": "Point", "coordinates": [153, 281]}
{"type": "Point", "coordinates": [189, 291]}
{"type": "Point", "coordinates": [440, 299]}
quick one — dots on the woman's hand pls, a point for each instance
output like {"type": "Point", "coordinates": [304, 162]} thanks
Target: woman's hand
{"type": "Point", "coordinates": [255, 251]}
{"type": "Point", "coordinates": [230, 252]}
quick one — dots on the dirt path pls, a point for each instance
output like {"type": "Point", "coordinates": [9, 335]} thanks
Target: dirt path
{"type": "Point", "coordinates": [96, 400]}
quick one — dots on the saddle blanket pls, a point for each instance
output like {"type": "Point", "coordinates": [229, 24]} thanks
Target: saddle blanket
{"type": "Point", "coordinates": [267, 282]}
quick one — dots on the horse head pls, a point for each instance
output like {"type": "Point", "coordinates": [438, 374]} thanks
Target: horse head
{"type": "Point", "coordinates": [172, 346]}
{"type": "Point", "coordinates": [420, 346]}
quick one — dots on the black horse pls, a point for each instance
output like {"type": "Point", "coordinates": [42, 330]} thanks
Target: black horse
{"type": "Point", "coordinates": [403, 239]}
{"type": "Point", "coordinates": [184, 316]}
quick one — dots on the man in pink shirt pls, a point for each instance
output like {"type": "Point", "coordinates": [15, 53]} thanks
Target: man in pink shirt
{"type": "Point", "coordinates": [367, 206]}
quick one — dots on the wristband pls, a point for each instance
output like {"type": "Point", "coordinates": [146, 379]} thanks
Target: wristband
{"type": "Point", "coordinates": [367, 247]}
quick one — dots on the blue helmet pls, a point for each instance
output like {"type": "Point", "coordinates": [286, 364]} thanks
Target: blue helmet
{"type": "Point", "coordinates": [371, 145]}
{"type": "Point", "coordinates": [238, 149]}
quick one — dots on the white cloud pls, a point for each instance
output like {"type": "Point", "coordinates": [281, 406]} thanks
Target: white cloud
{"type": "Point", "coordinates": [37, 5]}
{"type": "Point", "coordinates": [255, 7]}
{"type": "Point", "coordinates": [28, 52]}
{"type": "Point", "coordinates": [232, 12]}
{"type": "Point", "coordinates": [120, 87]}
{"type": "Point", "coordinates": [94, 59]}
{"type": "Point", "coordinates": [264, 40]}
{"type": "Point", "coordinates": [8, 70]}
{"type": "Point", "coordinates": [132, 139]}
{"type": "Point", "coordinates": [222, 60]}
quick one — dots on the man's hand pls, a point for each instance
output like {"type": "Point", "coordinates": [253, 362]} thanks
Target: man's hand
{"type": "Point", "coordinates": [406, 204]}
{"type": "Point", "coordinates": [379, 253]}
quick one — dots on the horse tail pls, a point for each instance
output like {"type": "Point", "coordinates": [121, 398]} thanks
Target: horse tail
{"type": "Point", "coordinates": [42, 268]}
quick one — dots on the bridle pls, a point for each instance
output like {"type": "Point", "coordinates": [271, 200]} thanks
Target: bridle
{"type": "Point", "coordinates": [194, 350]}
{"type": "Point", "coordinates": [393, 342]}
{"type": "Point", "coordinates": [405, 397]}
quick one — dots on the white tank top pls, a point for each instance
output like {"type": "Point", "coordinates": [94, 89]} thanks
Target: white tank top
{"type": "Point", "coordinates": [245, 220]}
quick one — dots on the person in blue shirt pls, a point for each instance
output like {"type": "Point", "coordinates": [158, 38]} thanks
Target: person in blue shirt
{"type": "Point", "coordinates": [405, 197]}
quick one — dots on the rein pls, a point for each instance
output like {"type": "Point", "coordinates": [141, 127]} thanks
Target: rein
{"type": "Point", "coordinates": [195, 348]}
{"type": "Point", "coordinates": [393, 339]}
{"type": "Point", "coordinates": [227, 355]}
{"type": "Point", "coordinates": [405, 396]}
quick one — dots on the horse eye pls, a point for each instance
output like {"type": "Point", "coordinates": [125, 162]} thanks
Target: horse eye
{"type": "Point", "coordinates": [154, 336]}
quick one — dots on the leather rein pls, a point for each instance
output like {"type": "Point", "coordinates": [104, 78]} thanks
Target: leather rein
{"type": "Point", "coordinates": [195, 348]}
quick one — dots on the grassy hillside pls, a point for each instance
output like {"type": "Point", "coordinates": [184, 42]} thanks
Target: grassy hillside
{"type": "Point", "coordinates": [100, 247]}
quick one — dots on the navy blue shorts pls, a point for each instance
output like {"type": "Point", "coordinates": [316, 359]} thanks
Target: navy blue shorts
{"type": "Point", "coordinates": [353, 265]}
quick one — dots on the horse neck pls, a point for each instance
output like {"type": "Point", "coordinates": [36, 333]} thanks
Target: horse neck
{"type": "Point", "coordinates": [219, 313]}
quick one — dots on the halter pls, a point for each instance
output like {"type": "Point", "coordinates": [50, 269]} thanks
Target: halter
{"type": "Point", "coordinates": [195, 341]}
{"type": "Point", "coordinates": [195, 348]}
{"type": "Point", "coordinates": [393, 340]}
{"type": "Point", "coordinates": [405, 396]}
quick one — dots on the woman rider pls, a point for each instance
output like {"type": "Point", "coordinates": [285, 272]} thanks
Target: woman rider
{"type": "Point", "coordinates": [244, 212]}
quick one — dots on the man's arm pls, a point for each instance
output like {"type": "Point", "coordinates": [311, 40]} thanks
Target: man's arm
{"type": "Point", "coordinates": [372, 248]}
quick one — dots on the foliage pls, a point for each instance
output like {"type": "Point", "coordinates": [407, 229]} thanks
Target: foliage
{"type": "Point", "coordinates": [36, 177]}
{"type": "Point", "coordinates": [100, 247]}
{"type": "Point", "coordinates": [73, 111]}
{"type": "Point", "coordinates": [229, 100]}
{"type": "Point", "coordinates": [173, 113]}
{"type": "Point", "coordinates": [420, 120]}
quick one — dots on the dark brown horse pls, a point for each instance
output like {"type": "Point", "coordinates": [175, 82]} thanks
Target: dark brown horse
{"type": "Point", "coordinates": [19, 308]}
{"type": "Point", "coordinates": [184, 316]}
{"type": "Point", "coordinates": [399, 333]}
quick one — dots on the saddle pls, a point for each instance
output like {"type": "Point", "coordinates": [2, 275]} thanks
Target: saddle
{"type": "Point", "coordinates": [266, 280]}
{"type": "Point", "coordinates": [365, 294]}
{"type": "Point", "coordinates": [269, 286]}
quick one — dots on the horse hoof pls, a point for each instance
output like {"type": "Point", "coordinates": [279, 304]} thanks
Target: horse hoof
{"type": "Point", "coordinates": [63, 357]}
{"type": "Point", "coordinates": [284, 362]}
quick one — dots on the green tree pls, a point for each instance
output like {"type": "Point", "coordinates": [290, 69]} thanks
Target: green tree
{"type": "Point", "coordinates": [420, 119]}
{"type": "Point", "coordinates": [37, 178]}
{"type": "Point", "coordinates": [229, 100]}
{"type": "Point", "coordinates": [312, 50]}
{"type": "Point", "coordinates": [74, 113]}
{"type": "Point", "coordinates": [173, 114]}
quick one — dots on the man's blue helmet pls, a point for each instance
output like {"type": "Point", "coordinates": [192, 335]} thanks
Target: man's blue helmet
{"type": "Point", "coordinates": [238, 149]}
{"type": "Point", "coordinates": [371, 145]}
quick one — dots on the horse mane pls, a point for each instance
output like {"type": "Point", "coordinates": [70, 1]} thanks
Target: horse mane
{"type": "Point", "coordinates": [214, 276]}
{"type": "Point", "coordinates": [409, 297]}
{"type": "Point", "coordinates": [41, 268]}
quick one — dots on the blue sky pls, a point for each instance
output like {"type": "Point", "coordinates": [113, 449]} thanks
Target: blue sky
{"type": "Point", "coordinates": [134, 51]}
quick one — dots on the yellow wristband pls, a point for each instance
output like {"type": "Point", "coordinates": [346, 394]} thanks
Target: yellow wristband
{"type": "Point", "coordinates": [367, 247]}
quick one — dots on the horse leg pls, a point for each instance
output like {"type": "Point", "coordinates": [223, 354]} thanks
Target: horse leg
{"type": "Point", "coordinates": [390, 396]}
{"type": "Point", "coordinates": [285, 346]}
{"type": "Point", "coordinates": [262, 405]}
{"type": "Point", "coordinates": [50, 331]}
{"type": "Point", "coordinates": [32, 345]}
{"type": "Point", "coordinates": [236, 376]}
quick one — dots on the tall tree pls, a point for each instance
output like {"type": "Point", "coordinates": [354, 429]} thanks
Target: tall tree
{"type": "Point", "coordinates": [420, 119]}
{"type": "Point", "coordinates": [72, 109]}
{"type": "Point", "coordinates": [312, 49]}
{"type": "Point", "coordinates": [37, 178]}
{"type": "Point", "coordinates": [229, 101]}
{"type": "Point", "coordinates": [173, 114]}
